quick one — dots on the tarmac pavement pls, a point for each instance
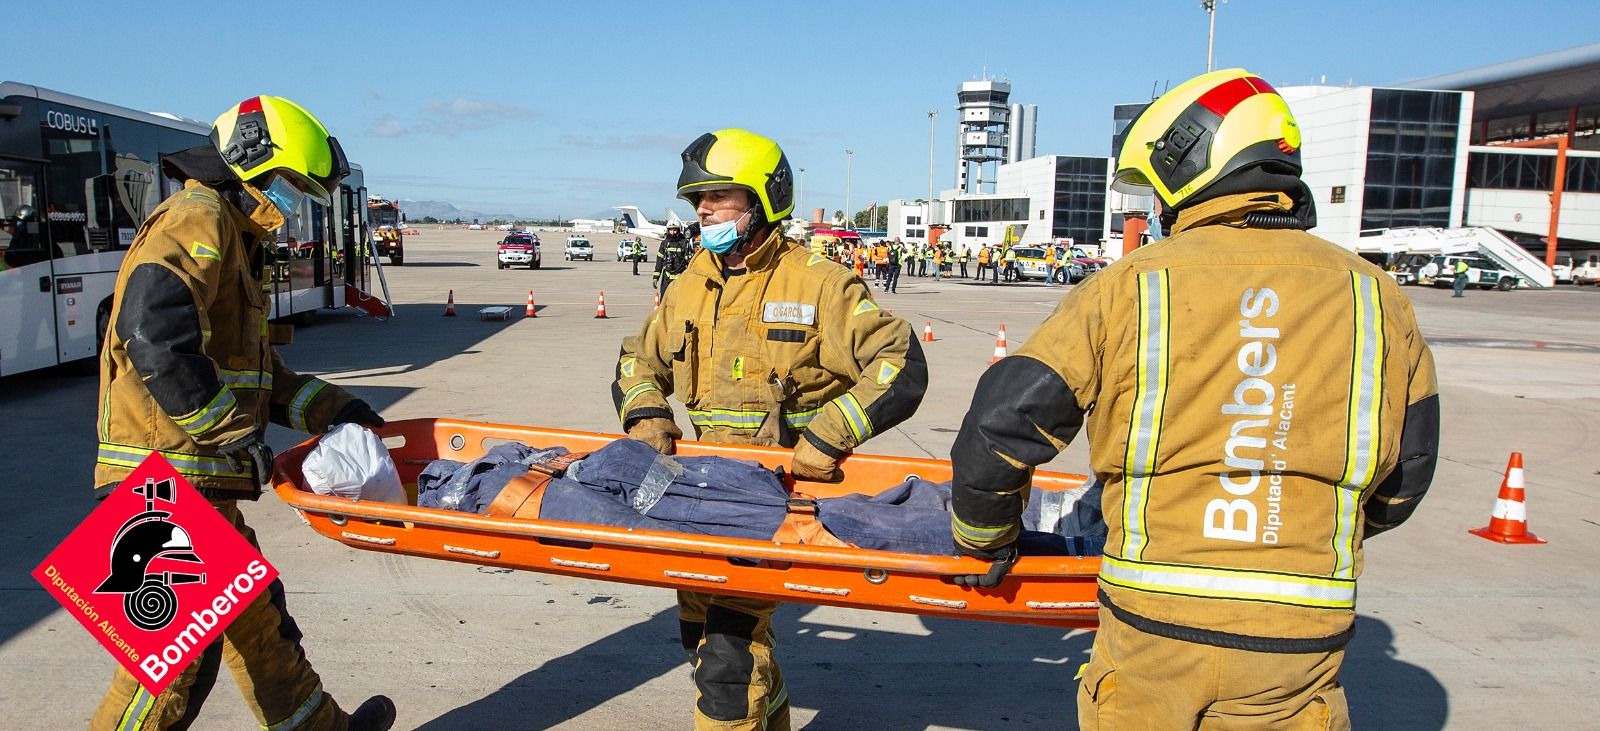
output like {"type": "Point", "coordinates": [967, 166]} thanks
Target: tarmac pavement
{"type": "Point", "coordinates": [1454, 631]}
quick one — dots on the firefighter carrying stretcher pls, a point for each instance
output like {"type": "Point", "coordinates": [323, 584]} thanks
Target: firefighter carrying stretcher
{"type": "Point", "coordinates": [766, 343]}
{"type": "Point", "coordinates": [1258, 401]}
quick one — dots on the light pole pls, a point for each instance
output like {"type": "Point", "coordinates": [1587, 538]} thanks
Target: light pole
{"type": "Point", "coordinates": [849, 214]}
{"type": "Point", "coordinates": [800, 187]}
{"type": "Point", "coordinates": [927, 213]}
{"type": "Point", "coordinates": [1210, 6]}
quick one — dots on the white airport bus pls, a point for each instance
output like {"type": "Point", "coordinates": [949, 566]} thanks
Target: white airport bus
{"type": "Point", "coordinates": [77, 178]}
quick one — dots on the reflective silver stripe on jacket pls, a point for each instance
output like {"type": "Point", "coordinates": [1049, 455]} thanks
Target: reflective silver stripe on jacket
{"type": "Point", "coordinates": [1216, 583]}
{"type": "Point", "coordinates": [1144, 429]}
{"type": "Point", "coordinates": [302, 400]}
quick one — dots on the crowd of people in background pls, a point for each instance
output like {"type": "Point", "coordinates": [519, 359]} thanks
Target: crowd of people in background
{"type": "Point", "coordinates": [884, 261]}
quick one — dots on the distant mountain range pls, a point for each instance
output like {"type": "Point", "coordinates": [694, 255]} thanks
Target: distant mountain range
{"type": "Point", "coordinates": [445, 211]}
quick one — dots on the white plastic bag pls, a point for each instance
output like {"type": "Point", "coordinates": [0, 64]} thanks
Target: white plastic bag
{"type": "Point", "coordinates": [351, 462]}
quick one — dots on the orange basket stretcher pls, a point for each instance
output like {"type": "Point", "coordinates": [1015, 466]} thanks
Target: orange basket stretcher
{"type": "Point", "coordinates": [1041, 590]}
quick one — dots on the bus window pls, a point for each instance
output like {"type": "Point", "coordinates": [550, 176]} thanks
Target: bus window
{"type": "Point", "coordinates": [20, 241]}
{"type": "Point", "coordinates": [75, 163]}
{"type": "Point", "coordinates": [131, 189]}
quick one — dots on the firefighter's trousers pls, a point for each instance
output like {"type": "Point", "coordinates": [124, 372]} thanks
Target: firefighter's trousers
{"type": "Point", "coordinates": [1136, 680]}
{"type": "Point", "coordinates": [738, 686]}
{"type": "Point", "coordinates": [262, 650]}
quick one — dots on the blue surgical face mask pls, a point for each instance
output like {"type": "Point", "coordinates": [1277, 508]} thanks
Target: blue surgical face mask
{"type": "Point", "coordinates": [284, 196]}
{"type": "Point", "coordinates": [721, 238]}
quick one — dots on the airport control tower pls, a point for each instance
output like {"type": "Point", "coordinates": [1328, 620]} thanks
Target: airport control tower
{"type": "Point", "coordinates": [989, 131]}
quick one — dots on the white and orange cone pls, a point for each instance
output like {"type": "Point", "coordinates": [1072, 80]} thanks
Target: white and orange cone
{"type": "Point", "coordinates": [450, 305]}
{"type": "Point", "coordinates": [927, 331]}
{"type": "Point", "coordinates": [1509, 521]}
{"type": "Point", "coordinates": [531, 312]}
{"type": "Point", "coordinates": [658, 301]}
{"type": "Point", "coordinates": [999, 345]}
{"type": "Point", "coordinates": [600, 307]}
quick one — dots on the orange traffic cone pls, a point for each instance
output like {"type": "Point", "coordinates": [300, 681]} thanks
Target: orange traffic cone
{"type": "Point", "coordinates": [999, 346]}
{"type": "Point", "coordinates": [927, 331]}
{"type": "Point", "coordinates": [1508, 523]}
{"type": "Point", "coordinates": [450, 305]}
{"type": "Point", "coordinates": [600, 307]}
{"type": "Point", "coordinates": [531, 312]}
{"type": "Point", "coordinates": [658, 301]}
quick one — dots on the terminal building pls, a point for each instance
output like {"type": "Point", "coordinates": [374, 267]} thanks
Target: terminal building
{"type": "Point", "coordinates": [1001, 185]}
{"type": "Point", "coordinates": [1513, 146]}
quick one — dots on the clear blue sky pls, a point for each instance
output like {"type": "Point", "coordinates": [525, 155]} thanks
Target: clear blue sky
{"type": "Point", "coordinates": [572, 108]}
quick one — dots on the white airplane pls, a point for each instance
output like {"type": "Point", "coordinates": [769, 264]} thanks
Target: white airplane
{"type": "Point", "coordinates": [638, 225]}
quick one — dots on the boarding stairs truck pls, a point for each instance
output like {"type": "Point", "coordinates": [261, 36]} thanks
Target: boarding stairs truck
{"type": "Point", "coordinates": [1532, 271]}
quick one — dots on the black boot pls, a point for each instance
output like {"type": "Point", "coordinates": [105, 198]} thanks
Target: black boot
{"type": "Point", "coordinates": [377, 714]}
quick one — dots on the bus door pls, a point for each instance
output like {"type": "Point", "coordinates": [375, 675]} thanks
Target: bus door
{"type": "Point", "coordinates": [27, 283]}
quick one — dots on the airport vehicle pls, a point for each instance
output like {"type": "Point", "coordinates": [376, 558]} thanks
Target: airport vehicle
{"type": "Point", "coordinates": [636, 223]}
{"type": "Point", "coordinates": [826, 239]}
{"type": "Point", "coordinates": [1481, 273]}
{"type": "Point", "coordinates": [84, 174]}
{"type": "Point", "coordinates": [1587, 272]}
{"type": "Point", "coordinates": [579, 247]}
{"type": "Point", "coordinates": [475, 227]}
{"type": "Point", "coordinates": [630, 249]}
{"type": "Point", "coordinates": [1530, 270]}
{"type": "Point", "coordinates": [387, 229]}
{"type": "Point", "coordinates": [796, 566]}
{"type": "Point", "coordinates": [1030, 264]}
{"type": "Point", "coordinates": [519, 249]}
{"type": "Point", "coordinates": [1562, 271]}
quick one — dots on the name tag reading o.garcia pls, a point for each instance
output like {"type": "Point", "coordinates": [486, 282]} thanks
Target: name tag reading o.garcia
{"type": "Point", "coordinates": [797, 313]}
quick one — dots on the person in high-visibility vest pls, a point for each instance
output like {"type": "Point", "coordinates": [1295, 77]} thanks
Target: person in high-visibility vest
{"type": "Point", "coordinates": [1460, 281]}
{"type": "Point", "coordinates": [938, 263]}
{"type": "Point", "coordinates": [962, 258]}
{"type": "Point", "coordinates": [1235, 511]}
{"type": "Point", "coordinates": [983, 261]}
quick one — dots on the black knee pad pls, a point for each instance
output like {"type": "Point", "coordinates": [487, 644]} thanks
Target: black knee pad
{"type": "Point", "coordinates": [726, 664]}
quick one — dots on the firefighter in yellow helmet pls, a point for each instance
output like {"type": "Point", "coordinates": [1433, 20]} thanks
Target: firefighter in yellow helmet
{"type": "Point", "coordinates": [1258, 401]}
{"type": "Point", "coordinates": [766, 343]}
{"type": "Point", "coordinates": [188, 372]}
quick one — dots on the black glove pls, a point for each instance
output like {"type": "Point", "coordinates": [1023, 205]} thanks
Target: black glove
{"type": "Point", "coordinates": [357, 412]}
{"type": "Point", "coordinates": [1000, 562]}
{"type": "Point", "coordinates": [252, 457]}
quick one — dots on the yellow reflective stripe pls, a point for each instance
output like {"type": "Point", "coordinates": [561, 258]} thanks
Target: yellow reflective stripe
{"type": "Point", "coordinates": [247, 379]}
{"type": "Point", "coordinates": [122, 455]}
{"type": "Point", "coordinates": [1361, 438]}
{"type": "Point", "coordinates": [975, 533]}
{"type": "Point", "coordinates": [801, 419]}
{"type": "Point", "coordinates": [300, 714]}
{"type": "Point", "coordinates": [815, 260]}
{"type": "Point", "coordinates": [626, 367]}
{"type": "Point", "coordinates": [887, 372]}
{"type": "Point", "coordinates": [302, 399]}
{"type": "Point", "coordinates": [138, 707]}
{"type": "Point", "coordinates": [633, 393]}
{"type": "Point", "coordinates": [733, 418]}
{"type": "Point", "coordinates": [1215, 583]}
{"type": "Point", "coordinates": [863, 307]}
{"type": "Point", "coordinates": [1144, 427]}
{"type": "Point", "coordinates": [854, 416]}
{"type": "Point", "coordinates": [201, 250]}
{"type": "Point", "coordinates": [211, 414]}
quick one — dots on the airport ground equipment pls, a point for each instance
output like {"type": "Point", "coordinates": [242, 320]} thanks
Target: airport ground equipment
{"type": "Point", "coordinates": [1042, 590]}
{"type": "Point", "coordinates": [388, 237]}
{"type": "Point", "coordinates": [1531, 270]}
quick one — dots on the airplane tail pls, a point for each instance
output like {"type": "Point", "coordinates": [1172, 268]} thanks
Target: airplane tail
{"type": "Point", "coordinates": [632, 217]}
{"type": "Point", "coordinates": [672, 217]}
